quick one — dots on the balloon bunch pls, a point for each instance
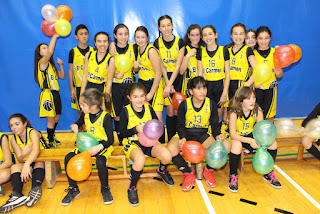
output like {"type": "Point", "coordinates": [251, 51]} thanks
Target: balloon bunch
{"type": "Point", "coordinates": [152, 131]}
{"type": "Point", "coordinates": [265, 133]}
{"type": "Point", "coordinates": [285, 55]}
{"type": "Point", "coordinates": [79, 167]}
{"type": "Point", "coordinates": [177, 98]}
{"type": "Point", "coordinates": [216, 155]}
{"type": "Point", "coordinates": [56, 20]}
{"type": "Point", "coordinates": [193, 151]}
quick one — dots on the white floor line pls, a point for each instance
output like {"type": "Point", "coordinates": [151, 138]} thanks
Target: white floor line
{"type": "Point", "coordinates": [303, 192]}
{"type": "Point", "coordinates": [205, 197]}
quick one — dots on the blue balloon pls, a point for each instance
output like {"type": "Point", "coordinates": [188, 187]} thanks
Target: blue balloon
{"type": "Point", "coordinates": [216, 155]}
{"type": "Point", "coordinates": [86, 141]}
{"type": "Point", "coordinates": [262, 161]}
{"type": "Point", "coordinates": [265, 133]}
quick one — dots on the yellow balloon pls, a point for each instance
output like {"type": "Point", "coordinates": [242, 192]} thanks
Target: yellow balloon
{"type": "Point", "coordinates": [123, 63]}
{"type": "Point", "coordinates": [262, 73]}
{"type": "Point", "coordinates": [62, 27]}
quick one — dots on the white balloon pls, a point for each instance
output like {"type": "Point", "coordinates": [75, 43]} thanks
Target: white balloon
{"type": "Point", "coordinates": [312, 128]}
{"type": "Point", "coordinates": [49, 12]}
{"type": "Point", "coordinates": [287, 127]}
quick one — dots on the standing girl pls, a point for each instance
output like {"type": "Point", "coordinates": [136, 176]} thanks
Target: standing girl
{"type": "Point", "coordinates": [195, 115]}
{"type": "Point", "coordinates": [171, 49]}
{"type": "Point", "coordinates": [267, 92]}
{"type": "Point", "coordinates": [120, 48]}
{"type": "Point", "coordinates": [243, 115]}
{"type": "Point", "coordinates": [150, 71]}
{"type": "Point", "coordinates": [46, 76]}
{"type": "Point", "coordinates": [189, 65]}
{"type": "Point", "coordinates": [214, 66]}
{"type": "Point", "coordinates": [99, 124]}
{"type": "Point", "coordinates": [251, 39]}
{"type": "Point", "coordinates": [26, 142]}
{"type": "Point", "coordinates": [5, 161]}
{"type": "Point", "coordinates": [132, 119]}
{"type": "Point", "coordinates": [99, 66]}
{"type": "Point", "coordinates": [240, 57]}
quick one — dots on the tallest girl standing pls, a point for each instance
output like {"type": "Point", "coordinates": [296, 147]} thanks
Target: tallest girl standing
{"type": "Point", "coordinates": [171, 50]}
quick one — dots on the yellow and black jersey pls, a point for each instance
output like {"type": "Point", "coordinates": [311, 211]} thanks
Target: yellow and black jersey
{"type": "Point", "coordinates": [78, 65]}
{"type": "Point", "coordinates": [198, 119]}
{"type": "Point", "coordinates": [269, 60]}
{"type": "Point", "coordinates": [134, 120]}
{"type": "Point", "coordinates": [1, 152]}
{"type": "Point", "coordinates": [146, 71]}
{"type": "Point", "coordinates": [213, 67]}
{"type": "Point", "coordinates": [244, 125]}
{"type": "Point", "coordinates": [239, 65]}
{"type": "Point", "coordinates": [43, 144]}
{"type": "Point", "coordinates": [192, 69]}
{"type": "Point", "coordinates": [169, 56]}
{"type": "Point", "coordinates": [128, 71]}
{"type": "Point", "coordinates": [98, 71]}
{"type": "Point", "coordinates": [96, 127]}
{"type": "Point", "coordinates": [48, 79]}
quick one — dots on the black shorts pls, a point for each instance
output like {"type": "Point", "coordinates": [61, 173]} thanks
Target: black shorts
{"type": "Point", "coordinates": [234, 85]}
{"type": "Point", "coordinates": [177, 84]}
{"type": "Point", "coordinates": [266, 99]}
{"type": "Point", "coordinates": [146, 150]}
{"type": "Point", "coordinates": [197, 134]}
{"type": "Point", "coordinates": [148, 84]}
{"type": "Point", "coordinates": [57, 101]}
{"type": "Point", "coordinates": [119, 97]}
{"type": "Point", "coordinates": [100, 87]}
{"type": "Point", "coordinates": [247, 145]}
{"type": "Point", "coordinates": [215, 89]}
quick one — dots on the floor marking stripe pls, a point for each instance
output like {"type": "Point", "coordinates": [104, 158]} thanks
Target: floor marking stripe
{"type": "Point", "coordinates": [205, 197]}
{"type": "Point", "coordinates": [303, 192]}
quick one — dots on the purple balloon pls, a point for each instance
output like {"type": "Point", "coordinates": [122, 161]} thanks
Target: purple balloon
{"type": "Point", "coordinates": [153, 129]}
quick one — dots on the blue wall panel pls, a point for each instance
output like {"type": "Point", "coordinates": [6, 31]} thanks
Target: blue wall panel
{"type": "Point", "coordinates": [290, 21]}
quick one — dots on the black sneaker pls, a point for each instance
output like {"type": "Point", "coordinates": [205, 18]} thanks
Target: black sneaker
{"type": "Point", "coordinates": [166, 177]}
{"type": "Point", "coordinates": [73, 192]}
{"type": "Point", "coordinates": [1, 190]}
{"type": "Point", "coordinates": [272, 180]}
{"type": "Point", "coordinates": [233, 183]}
{"type": "Point", "coordinates": [13, 202]}
{"type": "Point", "coordinates": [133, 196]}
{"type": "Point", "coordinates": [106, 195]}
{"type": "Point", "coordinates": [34, 196]}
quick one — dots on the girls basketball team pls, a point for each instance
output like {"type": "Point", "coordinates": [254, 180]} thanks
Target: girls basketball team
{"type": "Point", "coordinates": [213, 77]}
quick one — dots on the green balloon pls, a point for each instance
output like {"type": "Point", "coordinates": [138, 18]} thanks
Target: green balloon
{"type": "Point", "coordinates": [262, 161]}
{"type": "Point", "coordinates": [216, 155]}
{"type": "Point", "coordinates": [86, 141]}
{"type": "Point", "coordinates": [265, 133]}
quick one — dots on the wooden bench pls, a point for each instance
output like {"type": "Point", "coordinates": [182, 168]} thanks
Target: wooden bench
{"type": "Point", "coordinates": [53, 157]}
{"type": "Point", "coordinates": [282, 142]}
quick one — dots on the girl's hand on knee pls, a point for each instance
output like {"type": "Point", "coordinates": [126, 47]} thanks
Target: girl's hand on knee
{"type": "Point", "coordinates": [254, 144]}
{"type": "Point", "coordinates": [181, 143]}
{"type": "Point", "coordinates": [26, 173]}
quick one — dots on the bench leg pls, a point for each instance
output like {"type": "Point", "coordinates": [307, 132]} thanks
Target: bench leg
{"type": "Point", "coordinates": [52, 169]}
{"type": "Point", "coordinates": [241, 165]}
{"type": "Point", "coordinates": [300, 152]}
{"type": "Point", "coordinates": [199, 170]}
{"type": "Point", "coordinates": [124, 165]}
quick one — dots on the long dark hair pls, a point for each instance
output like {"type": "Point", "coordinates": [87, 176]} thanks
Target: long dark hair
{"type": "Point", "coordinates": [190, 28]}
{"type": "Point", "coordinates": [213, 29]}
{"type": "Point", "coordinates": [162, 18]}
{"type": "Point", "coordinates": [22, 118]}
{"type": "Point", "coordinates": [37, 58]}
{"type": "Point", "coordinates": [93, 96]}
{"type": "Point", "coordinates": [116, 28]}
{"type": "Point", "coordinates": [235, 25]}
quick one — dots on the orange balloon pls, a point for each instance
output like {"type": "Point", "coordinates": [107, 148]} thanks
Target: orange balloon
{"type": "Point", "coordinates": [193, 151]}
{"type": "Point", "coordinates": [80, 166]}
{"type": "Point", "coordinates": [64, 12]}
{"type": "Point", "coordinates": [283, 56]}
{"type": "Point", "coordinates": [297, 51]}
{"type": "Point", "coordinates": [177, 98]}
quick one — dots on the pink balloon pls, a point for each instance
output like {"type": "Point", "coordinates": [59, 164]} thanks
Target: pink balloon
{"type": "Point", "coordinates": [48, 28]}
{"type": "Point", "coordinates": [146, 141]}
{"type": "Point", "coordinates": [153, 129]}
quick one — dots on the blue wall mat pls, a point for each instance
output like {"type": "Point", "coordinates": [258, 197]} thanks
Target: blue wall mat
{"type": "Point", "coordinates": [289, 21]}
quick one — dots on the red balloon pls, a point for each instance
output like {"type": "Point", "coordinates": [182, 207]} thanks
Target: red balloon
{"type": "Point", "coordinates": [79, 167]}
{"type": "Point", "coordinates": [177, 99]}
{"type": "Point", "coordinates": [48, 28]}
{"type": "Point", "coordinates": [297, 51]}
{"type": "Point", "coordinates": [146, 141]}
{"type": "Point", "coordinates": [193, 151]}
{"type": "Point", "coordinates": [283, 56]}
{"type": "Point", "coordinates": [64, 12]}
